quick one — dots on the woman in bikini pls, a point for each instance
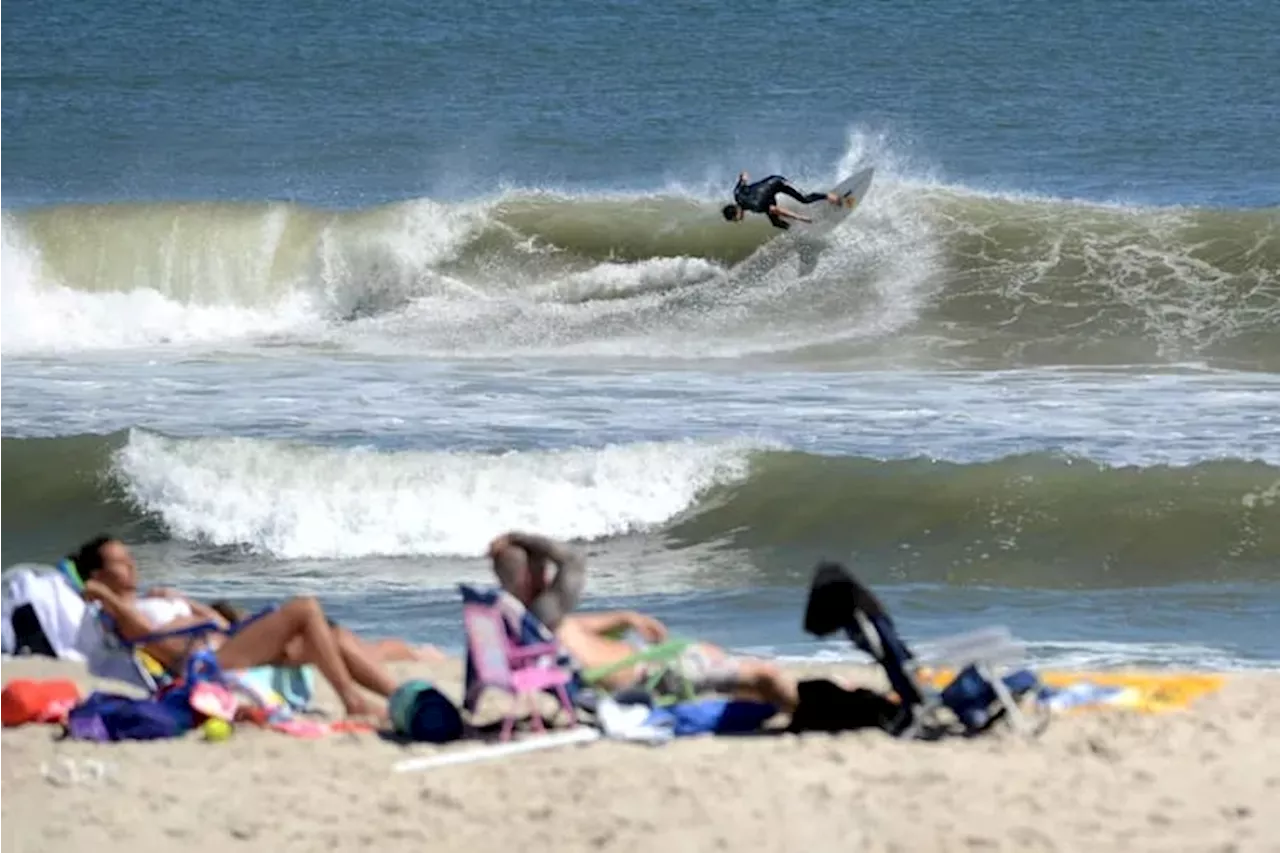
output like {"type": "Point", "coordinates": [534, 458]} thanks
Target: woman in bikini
{"type": "Point", "coordinates": [297, 632]}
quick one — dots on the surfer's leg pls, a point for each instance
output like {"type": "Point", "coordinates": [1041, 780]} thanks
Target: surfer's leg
{"type": "Point", "coordinates": [803, 198]}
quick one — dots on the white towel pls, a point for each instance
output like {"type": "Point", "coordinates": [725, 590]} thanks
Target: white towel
{"type": "Point", "coordinates": [627, 722]}
{"type": "Point", "coordinates": [57, 606]}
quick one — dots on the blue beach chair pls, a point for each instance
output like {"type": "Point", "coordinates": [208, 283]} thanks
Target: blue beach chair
{"type": "Point", "coordinates": [984, 690]}
{"type": "Point", "coordinates": [110, 655]}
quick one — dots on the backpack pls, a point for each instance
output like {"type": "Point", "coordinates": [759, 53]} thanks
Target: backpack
{"type": "Point", "coordinates": [420, 712]}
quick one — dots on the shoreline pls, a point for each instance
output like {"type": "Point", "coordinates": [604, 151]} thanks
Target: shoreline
{"type": "Point", "coordinates": [1102, 779]}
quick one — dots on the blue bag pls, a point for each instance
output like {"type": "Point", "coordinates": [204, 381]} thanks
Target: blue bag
{"type": "Point", "coordinates": [718, 716]}
{"type": "Point", "coordinates": [109, 717]}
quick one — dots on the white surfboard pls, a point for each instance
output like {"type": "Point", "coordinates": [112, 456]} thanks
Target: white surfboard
{"type": "Point", "coordinates": [851, 192]}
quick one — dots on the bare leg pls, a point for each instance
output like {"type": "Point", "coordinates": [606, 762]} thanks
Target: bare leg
{"type": "Point", "coordinates": [763, 680]}
{"type": "Point", "coordinates": [362, 663]}
{"type": "Point", "coordinates": [365, 668]}
{"type": "Point", "coordinates": [744, 678]}
{"type": "Point", "coordinates": [267, 639]}
{"type": "Point", "coordinates": [391, 650]}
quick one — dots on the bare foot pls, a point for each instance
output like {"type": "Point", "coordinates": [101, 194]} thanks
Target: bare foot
{"type": "Point", "coordinates": [358, 707]}
{"type": "Point", "coordinates": [833, 198]}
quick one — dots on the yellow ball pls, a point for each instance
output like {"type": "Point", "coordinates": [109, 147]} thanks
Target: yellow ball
{"type": "Point", "coordinates": [216, 730]}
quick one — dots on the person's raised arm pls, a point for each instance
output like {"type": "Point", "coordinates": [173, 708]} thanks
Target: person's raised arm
{"type": "Point", "coordinates": [542, 546]}
{"type": "Point", "coordinates": [564, 592]}
{"type": "Point", "coordinates": [129, 621]}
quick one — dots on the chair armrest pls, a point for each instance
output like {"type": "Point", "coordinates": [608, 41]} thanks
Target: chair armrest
{"type": "Point", "coordinates": [660, 652]}
{"type": "Point", "coordinates": [533, 651]}
{"type": "Point", "coordinates": [198, 630]}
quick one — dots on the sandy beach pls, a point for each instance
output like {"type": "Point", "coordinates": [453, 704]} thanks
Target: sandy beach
{"type": "Point", "coordinates": [1195, 780]}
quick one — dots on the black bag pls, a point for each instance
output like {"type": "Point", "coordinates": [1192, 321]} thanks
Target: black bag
{"type": "Point", "coordinates": [827, 707]}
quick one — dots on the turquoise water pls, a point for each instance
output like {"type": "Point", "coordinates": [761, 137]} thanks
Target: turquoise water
{"type": "Point", "coordinates": [321, 299]}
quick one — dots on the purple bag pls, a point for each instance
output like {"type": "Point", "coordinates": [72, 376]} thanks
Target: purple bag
{"type": "Point", "coordinates": [110, 717]}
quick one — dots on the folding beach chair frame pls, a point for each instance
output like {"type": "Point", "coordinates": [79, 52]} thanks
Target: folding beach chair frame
{"type": "Point", "coordinates": [131, 653]}
{"type": "Point", "coordinates": [512, 663]}
{"type": "Point", "coordinates": [985, 651]}
{"type": "Point", "coordinates": [986, 659]}
{"type": "Point", "coordinates": [119, 658]}
{"type": "Point", "coordinates": [588, 679]}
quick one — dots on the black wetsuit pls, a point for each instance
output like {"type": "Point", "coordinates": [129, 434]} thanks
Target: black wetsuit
{"type": "Point", "coordinates": [761, 196]}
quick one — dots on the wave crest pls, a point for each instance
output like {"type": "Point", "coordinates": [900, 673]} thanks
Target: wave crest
{"type": "Point", "coordinates": [918, 272]}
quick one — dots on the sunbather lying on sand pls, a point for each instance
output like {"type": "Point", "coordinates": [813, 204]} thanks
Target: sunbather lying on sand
{"type": "Point", "coordinates": [592, 639]}
{"type": "Point", "coordinates": [295, 633]}
{"type": "Point", "coordinates": [520, 561]}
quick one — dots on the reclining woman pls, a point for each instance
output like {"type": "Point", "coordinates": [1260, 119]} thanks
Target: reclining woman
{"type": "Point", "coordinates": [297, 632]}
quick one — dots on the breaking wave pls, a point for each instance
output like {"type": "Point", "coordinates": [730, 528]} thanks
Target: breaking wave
{"type": "Point", "coordinates": [296, 501]}
{"type": "Point", "coordinates": [1035, 519]}
{"type": "Point", "coordinates": [919, 272]}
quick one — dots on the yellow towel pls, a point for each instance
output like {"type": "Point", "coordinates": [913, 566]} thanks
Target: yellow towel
{"type": "Point", "coordinates": [1146, 692]}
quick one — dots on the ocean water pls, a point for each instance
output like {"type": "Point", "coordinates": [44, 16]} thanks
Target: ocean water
{"type": "Point", "coordinates": [320, 300]}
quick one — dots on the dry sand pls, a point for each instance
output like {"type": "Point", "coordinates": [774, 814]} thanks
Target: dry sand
{"type": "Point", "coordinates": [1198, 780]}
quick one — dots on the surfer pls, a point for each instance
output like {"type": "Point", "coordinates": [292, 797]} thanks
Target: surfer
{"type": "Point", "coordinates": [761, 196]}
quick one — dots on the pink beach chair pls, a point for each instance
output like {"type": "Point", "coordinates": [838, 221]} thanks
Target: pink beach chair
{"type": "Point", "coordinates": [498, 662]}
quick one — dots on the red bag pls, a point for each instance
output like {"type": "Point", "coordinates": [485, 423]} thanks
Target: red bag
{"type": "Point", "coordinates": [27, 701]}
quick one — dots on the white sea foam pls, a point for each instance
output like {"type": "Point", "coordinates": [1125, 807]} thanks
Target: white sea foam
{"type": "Point", "coordinates": [457, 279]}
{"type": "Point", "coordinates": [296, 501]}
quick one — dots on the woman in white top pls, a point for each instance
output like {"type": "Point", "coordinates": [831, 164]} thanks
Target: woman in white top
{"type": "Point", "coordinates": [296, 632]}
